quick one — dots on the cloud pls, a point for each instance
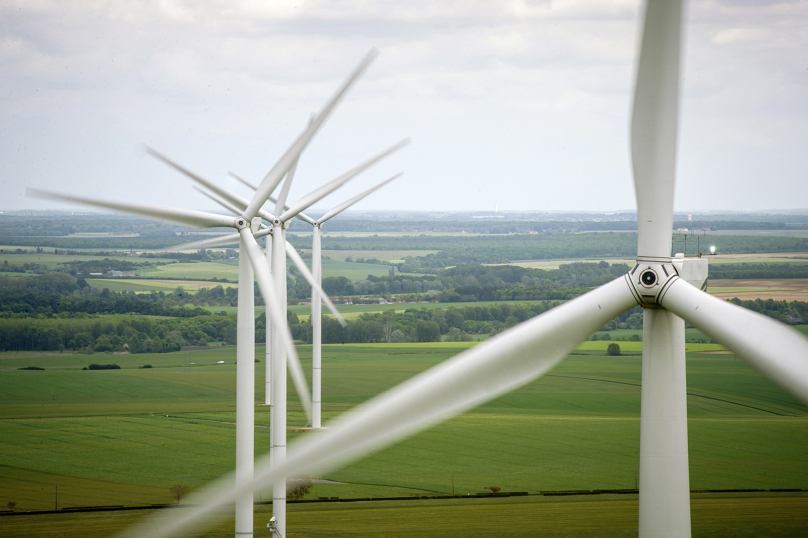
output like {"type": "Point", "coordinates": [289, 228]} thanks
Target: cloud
{"type": "Point", "coordinates": [734, 35]}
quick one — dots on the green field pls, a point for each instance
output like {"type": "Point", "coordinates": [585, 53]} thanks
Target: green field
{"type": "Point", "coordinates": [350, 311]}
{"type": "Point", "coordinates": [104, 437]}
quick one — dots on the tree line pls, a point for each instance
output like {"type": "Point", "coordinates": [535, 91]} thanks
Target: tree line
{"type": "Point", "coordinates": [135, 334]}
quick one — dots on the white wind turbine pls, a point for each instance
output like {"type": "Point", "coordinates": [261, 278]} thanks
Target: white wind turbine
{"type": "Point", "coordinates": [316, 304]}
{"type": "Point", "coordinates": [252, 266]}
{"type": "Point", "coordinates": [277, 250]}
{"type": "Point", "coordinates": [529, 350]}
{"type": "Point", "coordinates": [317, 294]}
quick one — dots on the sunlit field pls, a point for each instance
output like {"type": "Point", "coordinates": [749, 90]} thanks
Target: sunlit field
{"type": "Point", "coordinates": [124, 437]}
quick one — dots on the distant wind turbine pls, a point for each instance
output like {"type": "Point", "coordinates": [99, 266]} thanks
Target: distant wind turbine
{"type": "Point", "coordinates": [247, 223]}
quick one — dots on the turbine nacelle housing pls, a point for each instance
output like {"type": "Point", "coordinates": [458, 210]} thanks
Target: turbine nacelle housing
{"type": "Point", "coordinates": [649, 280]}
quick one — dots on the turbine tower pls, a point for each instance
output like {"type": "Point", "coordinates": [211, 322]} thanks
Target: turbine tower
{"type": "Point", "coordinates": [280, 247]}
{"type": "Point", "coordinates": [316, 301]}
{"type": "Point", "coordinates": [514, 357]}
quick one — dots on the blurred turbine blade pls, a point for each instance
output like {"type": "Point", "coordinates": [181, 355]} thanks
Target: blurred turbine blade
{"type": "Point", "coordinates": [301, 265]}
{"type": "Point", "coordinates": [262, 276]}
{"type": "Point", "coordinates": [348, 203]}
{"type": "Point", "coordinates": [277, 172]}
{"type": "Point", "coordinates": [318, 194]}
{"type": "Point", "coordinates": [775, 350]}
{"type": "Point", "coordinates": [198, 219]}
{"type": "Point", "coordinates": [503, 363]}
{"type": "Point", "coordinates": [290, 176]}
{"type": "Point", "coordinates": [222, 203]}
{"type": "Point", "coordinates": [300, 216]}
{"type": "Point", "coordinates": [234, 199]}
{"type": "Point", "coordinates": [229, 239]}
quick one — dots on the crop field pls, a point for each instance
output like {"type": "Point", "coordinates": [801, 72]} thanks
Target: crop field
{"type": "Point", "coordinates": [229, 270]}
{"type": "Point", "coordinates": [779, 289]}
{"type": "Point", "coordinates": [145, 286]}
{"type": "Point", "coordinates": [123, 437]}
{"type": "Point", "coordinates": [383, 255]}
{"type": "Point", "coordinates": [51, 260]}
{"type": "Point", "coordinates": [779, 257]}
{"type": "Point", "coordinates": [773, 233]}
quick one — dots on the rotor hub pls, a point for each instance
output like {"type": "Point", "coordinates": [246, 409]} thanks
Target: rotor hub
{"type": "Point", "coordinates": [649, 280]}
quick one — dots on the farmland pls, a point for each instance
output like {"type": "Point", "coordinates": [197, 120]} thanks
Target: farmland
{"type": "Point", "coordinates": [126, 436]}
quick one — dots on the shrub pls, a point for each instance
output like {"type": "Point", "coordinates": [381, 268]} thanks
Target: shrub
{"type": "Point", "coordinates": [146, 366]}
{"type": "Point", "coordinates": [31, 368]}
{"type": "Point", "coordinates": [613, 350]}
{"type": "Point", "coordinates": [103, 367]}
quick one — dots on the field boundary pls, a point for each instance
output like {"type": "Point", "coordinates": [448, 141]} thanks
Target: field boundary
{"type": "Point", "coordinates": [501, 495]}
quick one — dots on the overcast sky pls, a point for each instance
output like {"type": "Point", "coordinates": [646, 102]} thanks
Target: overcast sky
{"type": "Point", "coordinates": [521, 104]}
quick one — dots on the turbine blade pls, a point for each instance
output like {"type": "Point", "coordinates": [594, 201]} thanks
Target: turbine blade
{"type": "Point", "coordinates": [348, 203]}
{"type": "Point", "coordinates": [290, 176]}
{"type": "Point", "coordinates": [188, 217]}
{"type": "Point", "coordinates": [277, 172]}
{"type": "Point", "coordinates": [305, 218]}
{"type": "Point", "coordinates": [242, 181]}
{"type": "Point", "coordinates": [261, 269]}
{"type": "Point", "coordinates": [775, 350]}
{"type": "Point", "coordinates": [229, 239]}
{"type": "Point", "coordinates": [222, 203]}
{"type": "Point", "coordinates": [318, 194]}
{"type": "Point", "coordinates": [300, 216]}
{"type": "Point", "coordinates": [301, 265]}
{"type": "Point", "coordinates": [505, 362]}
{"type": "Point", "coordinates": [654, 125]}
{"type": "Point", "coordinates": [234, 199]}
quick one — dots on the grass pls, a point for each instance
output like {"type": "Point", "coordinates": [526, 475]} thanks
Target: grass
{"type": "Point", "coordinates": [576, 428]}
{"type": "Point", "coordinates": [745, 515]}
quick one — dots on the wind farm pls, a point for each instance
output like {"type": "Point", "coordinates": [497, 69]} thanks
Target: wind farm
{"type": "Point", "coordinates": [599, 361]}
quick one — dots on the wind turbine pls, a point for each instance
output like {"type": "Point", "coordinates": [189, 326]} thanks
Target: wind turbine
{"type": "Point", "coordinates": [316, 305]}
{"type": "Point", "coordinates": [527, 351]}
{"type": "Point", "coordinates": [247, 223]}
{"type": "Point", "coordinates": [280, 247]}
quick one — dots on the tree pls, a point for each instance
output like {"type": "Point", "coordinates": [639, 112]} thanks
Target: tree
{"type": "Point", "coordinates": [178, 492]}
{"type": "Point", "coordinates": [457, 335]}
{"type": "Point", "coordinates": [297, 488]}
{"type": "Point", "coordinates": [427, 331]}
{"type": "Point", "coordinates": [613, 350]}
{"type": "Point", "coordinates": [494, 489]}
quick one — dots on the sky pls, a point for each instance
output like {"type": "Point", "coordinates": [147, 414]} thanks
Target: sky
{"type": "Point", "coordinates": [519, 104]}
